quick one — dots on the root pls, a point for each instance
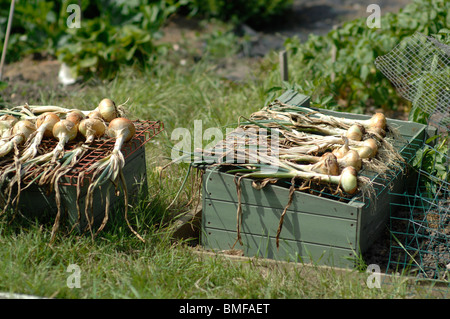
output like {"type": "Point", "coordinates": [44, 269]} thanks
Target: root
{"type": "Point", "coordinates": [237, 181]}
{"type": "Point", "coordinates": [124, 185]}
{"type": "Point", "coordinates": [280, 224]}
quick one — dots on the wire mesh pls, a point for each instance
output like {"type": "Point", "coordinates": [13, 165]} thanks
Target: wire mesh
{"type": "Point", "coordinates": [145, 131]}
{"type": "Point", "coordinates": [419, 68]}
{"type": "Point", "coordinates": [420, 225]}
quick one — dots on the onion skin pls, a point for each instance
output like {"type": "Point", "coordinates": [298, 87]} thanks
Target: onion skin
{"type": "Point", "coordinates": [121, 128]}
{"type": "Point", "coordinates": [351, 158]}
{"type": "Point", "coordinates": [355, 132]}
{"type": "Point", "coordinates": [95, 115]}
{"type": "Point", "coordinates": [107, 109]}
{"type": "Point", "coordinates": [6, 128]}
{"type": "Point", "coordinates": [21, 131]}
{"type": "Point", "coordinates": [341, 151]}
{"type": "Point", "coordinates": [7, 121]}
{"type": "Point", "coordinates": [24, 128]}
{"type": "Point", "coordinates": [348, 180]}
{"type": "Point", "coordinates": [327, 165]}
{"type": "Point", "coordinates": [91, 128]}
{"type": "Point", "coordinates": [372, 144]}
{"type": "Point", "coordinates": [65, 130]}
{"type": "Point", "coordinates": [378, 120]}
{"type": "Point", "coordinates": [49, 119]}
{"type": "Point", "coordinates": [75, 116]}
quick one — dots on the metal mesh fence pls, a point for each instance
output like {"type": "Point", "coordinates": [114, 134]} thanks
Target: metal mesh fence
{"type": "Point", "coordinates": [419, 68]}
{"type": "Point", "coordinates": [420, 223]}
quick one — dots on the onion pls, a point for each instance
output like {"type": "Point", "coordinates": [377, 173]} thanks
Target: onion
{"type": "Point", "coordinates": [64, 131]}
{"type": "Point", "coordinates": [122, 129]}
{"type": "Point", "coordinates": [6, 123]}
{"type": "Point", "coordinates": [368, 149]}
{"type": "Point", "coordinates": [95, 115]}
{"type": "Point", "coordinates": [107, 109]}
{"type": "Point", "coordinates": [327, 165]}
{"type": "Point", "coordinates": [45, 123]}
{"type": "Point", "coordinates": [355, 132]}
{"type": "Point", "coordinates": [351, 158]}
{"type": "Point", "coordinates": [8, 118]}
{"type": "Point", "coordinates": [44, 127]}
{"type": "Point", "coordinates": [377, 121]}
{"type": "Point", "coordinates": [6, 126]}
{"type": "Point", "coordinates": [41, 109]}
{"type": "Point", "coordinates": [75, 116]}
{"type": "Point", "coordinates": [21, 131]}
{"type": "Point", "coordinates": [348, 180]}
{"type": "Point", "coordinates": [341, 151]}
{"type": "Point", "coordinates": [91, 128]}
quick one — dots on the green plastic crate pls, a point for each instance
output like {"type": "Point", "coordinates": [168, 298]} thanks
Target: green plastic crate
{"type": "Point", "coordinates": [37, 200]}
{"type": "Point", "coordinates": [315, 229]}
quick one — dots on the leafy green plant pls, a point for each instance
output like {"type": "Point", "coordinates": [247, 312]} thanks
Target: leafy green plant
{"type": "Point", "coordinates": [124, 35]}
{"type": "Point", "coordinates": [344, 58]}
{"type": "Point", "coordinates": [434, 159]}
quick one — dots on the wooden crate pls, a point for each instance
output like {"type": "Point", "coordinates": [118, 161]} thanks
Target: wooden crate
{"type": "Point", "coordinates": [315, 229]}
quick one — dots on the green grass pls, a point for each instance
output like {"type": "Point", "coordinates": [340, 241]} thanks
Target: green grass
{"type": "Point", "coordinates": [117, 264]}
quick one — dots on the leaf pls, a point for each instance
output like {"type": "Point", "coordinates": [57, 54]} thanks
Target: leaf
{"type": "Point", "coordinates": [3, 85]}
{"type": "Point", "coordinates": [364, 72]}
{"type": "Point", "coordinates": [88, 62]}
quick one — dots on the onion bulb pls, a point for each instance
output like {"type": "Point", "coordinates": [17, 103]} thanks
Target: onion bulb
{"type": "Point", "coordinates": [64, 131]}
{"type": "Point", "coordinates": [45, 123]}
{"type": "Point", "coordinates": [351, 158]}
{"type": "Point", "coordinates": [107, 109]}
{"type": "Point", "coordinates": [355, 132]}
{"type": "Point", "coordinates": [95, 115]}
{"type": "Point", "coordinates": [348, 180]}
{"type": "Point", "coordinates": [327, 165]}
{"type": "Point", "coordinates": [122, 129]}
{"type": "Point", "coordinates": [20, 133]}
{"type": "Point", "coordinates": [44, 127]}
{"type": "Point", "coordinates": [341, 151]}
{"type": "Point", "coordinates": [368, 149]}
{"type": "Point", "coordinates": [377, 121]}
{"type": "Point", "coordinates": [75, 116]}
{"type": "Point", "coordinates": [91, 128]}
{"type": "Point", "coordinates": [6, 124]}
